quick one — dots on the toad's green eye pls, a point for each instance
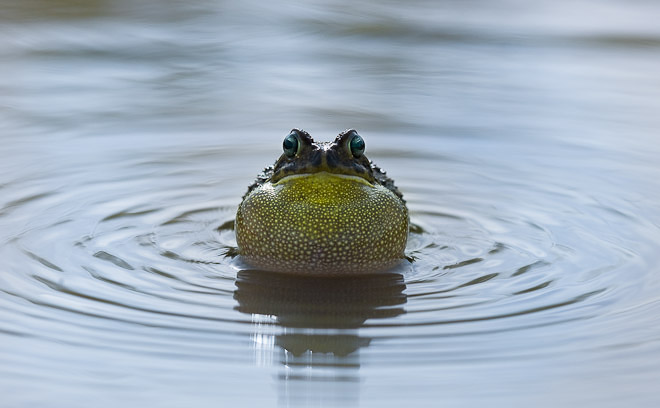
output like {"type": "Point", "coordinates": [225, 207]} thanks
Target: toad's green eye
{"type": "Point", "coordinates": [291, 145]}
{"type": "Point", "coordinates": [357, 145]}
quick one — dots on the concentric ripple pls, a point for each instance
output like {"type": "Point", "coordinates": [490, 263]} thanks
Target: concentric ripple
{"type": "Point", "coordinates": [134, 271]}
{"type": "Point", "coordinates": [523, 135]}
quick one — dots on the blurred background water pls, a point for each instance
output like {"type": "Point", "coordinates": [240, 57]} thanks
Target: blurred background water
{"type": "Point", "coordinates": [524, 136]}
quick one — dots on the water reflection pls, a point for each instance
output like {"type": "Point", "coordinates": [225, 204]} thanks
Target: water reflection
{"type": "Point", "coordinates": [524, 136]}
{"type": "Point", "coordinates": [319, 314]}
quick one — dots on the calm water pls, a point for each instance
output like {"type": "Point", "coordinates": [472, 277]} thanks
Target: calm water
{"type": "Point", "coordinates": [525, 138]}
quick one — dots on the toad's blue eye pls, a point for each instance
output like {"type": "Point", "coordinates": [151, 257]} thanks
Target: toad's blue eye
{"type": "Point", "coordinates": [291, 145]}
{"type": "Point", "coordinates": [357, 145]}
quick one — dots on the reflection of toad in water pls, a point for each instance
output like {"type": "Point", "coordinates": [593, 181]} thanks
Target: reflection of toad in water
{"type": "Point", "coordinates": [320, 315]}
{"type": "Point", "coordinates": [311, 325]}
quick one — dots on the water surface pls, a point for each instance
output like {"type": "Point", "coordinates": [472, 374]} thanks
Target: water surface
{"type": "Point", "coordinates": [524, 138]}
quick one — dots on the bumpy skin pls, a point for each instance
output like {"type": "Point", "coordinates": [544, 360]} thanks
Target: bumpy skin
{"type": "Point", "coordinates": [323, 211]}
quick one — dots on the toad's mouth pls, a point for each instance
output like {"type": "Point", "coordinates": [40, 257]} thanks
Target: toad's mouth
{"type": "Point", "coordinates": [322, 174]}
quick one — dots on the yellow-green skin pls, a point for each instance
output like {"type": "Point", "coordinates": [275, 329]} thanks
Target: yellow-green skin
{"type": "Point", "coordinates": [322, 222]}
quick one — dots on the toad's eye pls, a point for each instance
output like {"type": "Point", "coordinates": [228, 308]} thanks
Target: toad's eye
{"type": "Point", "coordinates": [357, 145]}
{"type": "Point", "coordinates": [291, 145]}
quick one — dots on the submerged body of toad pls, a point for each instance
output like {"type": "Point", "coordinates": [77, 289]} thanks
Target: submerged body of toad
{"type": "Point", "coordinates": [323, 208]}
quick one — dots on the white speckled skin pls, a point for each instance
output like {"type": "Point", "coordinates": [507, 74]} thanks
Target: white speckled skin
{"type": "Point", "coordinates": [322, 224]}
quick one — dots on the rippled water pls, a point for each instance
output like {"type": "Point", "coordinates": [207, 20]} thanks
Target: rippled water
{"type": "Point", "coordinates": [524, 138]}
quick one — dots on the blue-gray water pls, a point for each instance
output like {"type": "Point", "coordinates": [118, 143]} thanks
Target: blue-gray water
{"type": "Point", "coordinates": [523, 135]}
